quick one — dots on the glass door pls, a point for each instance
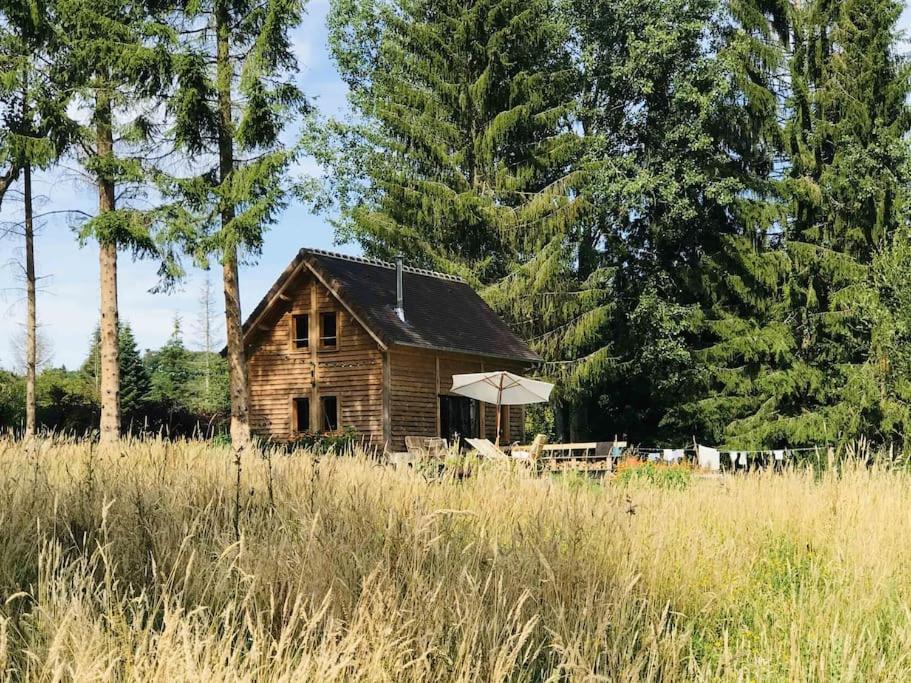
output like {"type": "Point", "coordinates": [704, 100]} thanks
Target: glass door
{"type": "Point", "coordinates": [459, 418]}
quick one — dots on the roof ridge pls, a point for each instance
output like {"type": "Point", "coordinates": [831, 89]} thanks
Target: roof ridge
{"type": "Point", "coordinates": [383, 264]}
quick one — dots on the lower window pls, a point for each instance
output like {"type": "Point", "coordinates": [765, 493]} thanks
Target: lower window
{"type": "Point", "coordinates": [329, 413]}
{"type": "Point", "coordinates": [301, 415]}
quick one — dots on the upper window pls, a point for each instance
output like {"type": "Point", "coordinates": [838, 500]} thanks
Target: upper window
{"type": "Point", "coordinates": [300, 331]}
{"type": "Point", "coordinates": [328, 330]}
{"type": "Point", "coordinates": [329, 406]}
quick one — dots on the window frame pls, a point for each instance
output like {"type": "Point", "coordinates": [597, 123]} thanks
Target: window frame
{"type": "Point", "coordinates": [338, 331]}
{"type": "Point", "coordinates": [293, 332]}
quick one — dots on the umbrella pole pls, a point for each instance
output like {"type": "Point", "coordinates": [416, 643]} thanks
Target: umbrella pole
{"type": "Point", "coordinates": [499, 411]}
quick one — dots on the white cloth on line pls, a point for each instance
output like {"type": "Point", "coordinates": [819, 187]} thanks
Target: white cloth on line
{"type": "Point", "coordinates": [673, 454]}
{"type": "Point", "coordinates": [779, 454]}
{"type": "Point", "coordinates": [708, 458]}
{"type": "Point", "coordinates": [743, 458]}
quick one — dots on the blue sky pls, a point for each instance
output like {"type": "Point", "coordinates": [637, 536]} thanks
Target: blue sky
{"type": "Point", "coordinates": [68, 295]}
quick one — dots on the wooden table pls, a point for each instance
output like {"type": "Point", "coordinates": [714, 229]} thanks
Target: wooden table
{"type": "Point", "coordinates": [589, 456]}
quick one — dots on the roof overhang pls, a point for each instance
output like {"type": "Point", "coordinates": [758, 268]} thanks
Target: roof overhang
{"type": "Point", "coordinates": [467, 352]}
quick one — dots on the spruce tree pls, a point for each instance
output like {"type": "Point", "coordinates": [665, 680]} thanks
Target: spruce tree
{"type": "Point", "coordinates": [800, 327]}
{"type": "Point", "coordinates": [170, 371]}
{"type": "Point", "coordinates": [460, 156]}
{"type": "Point", "coordinates": [463, 158]}
{"type": "Point", "coordinates": [846, 183]}
{"type": "Point", "coordinates": [114, 54]}
{"type": "Point", "coordinates": [133, 378]}
{"type": "Point", "coordinates": [237, 92]}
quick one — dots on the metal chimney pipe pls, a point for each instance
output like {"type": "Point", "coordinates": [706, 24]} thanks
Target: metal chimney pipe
{"type": "Point", "coordinates": [399, 288]}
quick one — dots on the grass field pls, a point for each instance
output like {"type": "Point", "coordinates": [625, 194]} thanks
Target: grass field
{"type": "Point", "coordinates": [124, 565]}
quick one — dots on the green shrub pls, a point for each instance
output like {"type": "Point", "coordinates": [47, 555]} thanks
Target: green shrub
{"type": "Point", "coordinates": [654, 474]}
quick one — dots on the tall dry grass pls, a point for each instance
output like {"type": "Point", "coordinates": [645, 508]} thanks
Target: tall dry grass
{"type": "Point", "coordinates": [123, 565]}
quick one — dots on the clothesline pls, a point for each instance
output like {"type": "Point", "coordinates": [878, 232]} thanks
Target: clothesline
{"type": "Point", "coordinates": [803, 449]}
{"type": "Point", "coordinates": [710, 458]}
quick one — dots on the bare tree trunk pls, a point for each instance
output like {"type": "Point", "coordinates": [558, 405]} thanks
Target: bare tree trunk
{"type": "Point", "coordinates": [108, 347]}
{"type": "Point", "coordinates": [237, 364]}
{"type": "Point", "coordinates": [31, 324]}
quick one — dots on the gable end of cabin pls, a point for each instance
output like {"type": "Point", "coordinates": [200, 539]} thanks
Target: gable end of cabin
{"type": "Point", "coordinates": [312, 366]}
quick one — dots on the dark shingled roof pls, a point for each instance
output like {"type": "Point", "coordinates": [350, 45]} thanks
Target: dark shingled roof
{"type": "Point", "coordinates": [442, 312]}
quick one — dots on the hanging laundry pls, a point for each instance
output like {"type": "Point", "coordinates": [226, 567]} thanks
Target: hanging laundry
{"type": "Point", "coordinates": [672, 455]}
{"type": "Point", "coordinates": [743, 459]}
{"type": "Point", "coordinates": [732, 456]}
{"type": "Point", "coordinates": [654, 457]}
{"type": "Point", "coordinates": [778, 454]}
{"type": "Point", "coordinates": [708, 458]}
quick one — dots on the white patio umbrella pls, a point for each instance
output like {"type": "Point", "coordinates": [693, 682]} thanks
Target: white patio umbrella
{"type": "Point", "coordinates": [502, 389]}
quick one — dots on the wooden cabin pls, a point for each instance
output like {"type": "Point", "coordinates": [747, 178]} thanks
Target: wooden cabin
{"type": "Point", "coordinates": [341, 341]}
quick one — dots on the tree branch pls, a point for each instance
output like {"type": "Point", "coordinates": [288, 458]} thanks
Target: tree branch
{"type": "Point", "coordinates": [7, 179]}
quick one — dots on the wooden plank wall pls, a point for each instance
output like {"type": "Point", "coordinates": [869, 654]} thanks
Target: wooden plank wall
{"type": "Point", "coordinates": [418, 378]}
{"type": "Point", "coordinates": [278, 373]}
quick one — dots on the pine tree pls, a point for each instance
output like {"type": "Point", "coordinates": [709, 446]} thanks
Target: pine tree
{"type": "Point", "coordinates": [800, 327]}
{"type": "Point", "coordinates": [235, 70]}
{"type": "Point", "coordinates": [114, 53]}
{"type": "Point", "coordinates": [675, 164]}
{"type": "Point", "coordinates": [35, 131]}
{"type": "Point", "coordinates": [133, 378]}
{"type": "Point", "coordinates": [170, 371]}
{"type": "Point", "coordinates": [461, 156]}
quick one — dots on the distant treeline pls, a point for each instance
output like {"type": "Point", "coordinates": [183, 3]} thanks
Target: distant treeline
{"type": "Point", "coordinates": [172, 391]}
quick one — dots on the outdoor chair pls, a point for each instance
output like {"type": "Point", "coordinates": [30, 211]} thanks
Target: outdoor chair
{"type": "Point", "coordinates": [486, 449]}
{"type": "Point", "coordinates": [533, 452]}
{"type": "Point", "coordinates": [437, 447]}
{"type": "Point", "coordinates": [426, 446]}
{"type": "Point", "coordinates": [416, 445]}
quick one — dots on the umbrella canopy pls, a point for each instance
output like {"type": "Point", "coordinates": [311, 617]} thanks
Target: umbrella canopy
{"type": "Point", "coordinates": [502, 389]}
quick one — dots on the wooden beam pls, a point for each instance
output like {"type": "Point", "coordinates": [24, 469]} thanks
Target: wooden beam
{"type": "Point", "coordinates": [387, 401]}
{"type": "Point", "coordinates": [315, 424]}
{"type": "Point", "coordinates": [437, 397]}
{"type": "Point", "coordinates": [482, 418]}
{"type": "Point", "coordinates": [254, 325]}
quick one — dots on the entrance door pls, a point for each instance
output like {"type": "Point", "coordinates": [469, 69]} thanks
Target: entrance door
{"type": "Point", "coordinates": [459, 418]}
